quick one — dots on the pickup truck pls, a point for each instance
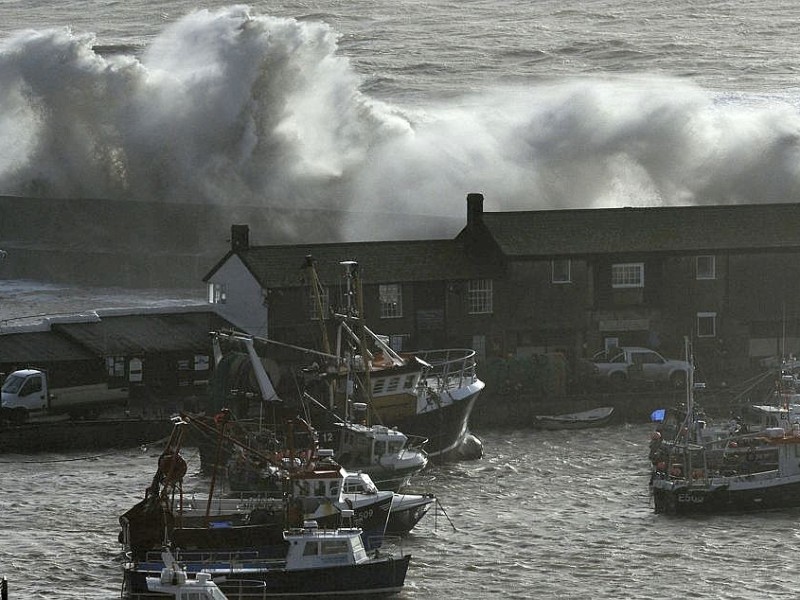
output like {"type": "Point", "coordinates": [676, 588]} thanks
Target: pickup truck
{"type": "Point", "coordinates": [632, 363]}
{"type": "Point", "coordinates": [28, 392]}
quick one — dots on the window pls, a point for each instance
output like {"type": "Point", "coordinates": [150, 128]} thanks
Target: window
{"type": "Point", "coordinates": [561, 271]}
{"type": "Point", "coordinates": [135, 370]}
{"type": "Point", "coordinates": [330, 547]}
{"type": "Point", "coordinates": [398, 341]}
{"type": "Point", "coordinates": [479, 296]}
{"type": "Point", "coordinates": [314, 302]}
{"type": "Point", "coordinates": [705, 267]}
{"type": "Point", "coordinates": [627, 275]}
{"type": "Point", "coordinates": [216, 293]}
{"type": "Point", "coordinates": [391, 299]}
{"type": "Point", "coordinates": [32, 386]}
{"type": "Point", "coordinates": [706, 324]}
{"type": "Point", "coordinates": [115, 366]}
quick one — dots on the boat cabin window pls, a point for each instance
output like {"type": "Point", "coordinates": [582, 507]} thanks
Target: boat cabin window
{"type": "Point", "coordinates": [354, 487]}
{"type": "Point", "coordinates": [319, 488]}
{"type": "Point", "coordinates": [331, 547]}
{"type": "Point", "coordinates": [378, 386]}
{"type": "Point", "coordinates": [395, 447]}
{"type": "Point", "coordinates": [201, 595]}
{"type": "Point", "coordinates": [393, 385]}
{"type": "Point", "coordinates": [359, 553]}
{"type": "Point", "coordinates": [409, 382]}
{"type": "Point", "coordinates": [311, 549]}
{"type": "Point", "coordinates": [380, 447]}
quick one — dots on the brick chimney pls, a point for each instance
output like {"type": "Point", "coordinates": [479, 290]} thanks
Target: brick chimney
{"type": "Point", "coordinates": [240, 237]}
{"type": "Point", "coordinates": [474, 209]}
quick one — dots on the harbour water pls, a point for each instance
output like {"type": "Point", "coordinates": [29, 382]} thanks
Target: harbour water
{"type": "Point", "coordinates": [545, 514]}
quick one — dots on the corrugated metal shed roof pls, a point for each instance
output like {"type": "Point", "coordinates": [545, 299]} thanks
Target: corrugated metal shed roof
{"type": "Point", "coordinates": [668, 229]}
{"type": "Point", "coordinates": [40, 347]}
{"type": "Point", "coordinates": [131, 334]}
{"type": "Point", "coordinates": [379, 262]}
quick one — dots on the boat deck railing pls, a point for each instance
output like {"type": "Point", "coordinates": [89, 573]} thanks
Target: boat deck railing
{"type": "Point", "coordinates": [219, 562]}
{"type": "Point", "coordinates": [450, 368]}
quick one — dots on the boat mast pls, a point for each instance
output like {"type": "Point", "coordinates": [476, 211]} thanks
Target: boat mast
{"type": "Point", "coordinates": [354, 311]}
{"type": "Point", "coordinates": [309, 266]}
{"type": "Point", "coordinates": [316, 288]}
{"type": "Point", "coordinates": [689, 381]}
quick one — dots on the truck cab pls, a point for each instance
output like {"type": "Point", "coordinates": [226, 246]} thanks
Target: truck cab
{"type": "Point", "coordinates": [25, 389]}
{"type": "Point", "coordinates": [29, 391]}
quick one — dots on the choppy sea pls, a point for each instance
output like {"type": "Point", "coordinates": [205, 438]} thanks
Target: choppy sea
{"type": "Point", "coordinates": [405, 106]}
{"type": "Point", "coordinates": [544, 515]}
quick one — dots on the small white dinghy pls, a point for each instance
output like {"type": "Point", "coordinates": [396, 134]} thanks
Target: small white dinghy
{"type": "Point", "coordinates": [174, 582]}
{"type": "Point", "coordinates": [596, 417]}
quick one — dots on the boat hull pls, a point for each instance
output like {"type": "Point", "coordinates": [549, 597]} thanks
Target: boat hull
{"type": "Point", "coordinates": [680, 499]}
{"type": "Point", "coordinates": [407, 511]}
{"type": "Point", "coordinates": [378, 577]}
{"type": "Point", "coordinates": [581, 420]}
{"type": "Point", "coordinates": [446, 427]}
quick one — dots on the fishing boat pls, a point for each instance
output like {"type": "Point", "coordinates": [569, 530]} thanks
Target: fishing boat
{"type": "Point", "coordinates": [428, 394]}
{"type": "Point", "coordinates": [359, 493]}
{"type": "Point", "coordinates": [387, 454]}
{"type": "Point", "coordinates": [597, 417]}
{"type": "Point", "coordinates": [319, 563]}
{"type": "Point", "coordinates": [309, 486]}
{"type": "Point", "coordinates": [406, 509]}
{"type": "Point", "coordinates": [686, 482]}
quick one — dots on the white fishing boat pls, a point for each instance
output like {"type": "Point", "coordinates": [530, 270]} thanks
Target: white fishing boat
{"type": "Point", "coordinates": [389, 456]}
{"type": "Point", "coordinates": [318, 563]}
{"type": "Point", "coordinates": [596, 417]}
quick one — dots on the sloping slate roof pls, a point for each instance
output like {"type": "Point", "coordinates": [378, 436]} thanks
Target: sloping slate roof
{"type": "Point", "coordinates": [39, 347]}
{"type": "Point", "coordinates": [130, 334]}
{"type": "Point", "coordinates": [379, 262]}
{"type": "Point", "coordinates": [673, 229]}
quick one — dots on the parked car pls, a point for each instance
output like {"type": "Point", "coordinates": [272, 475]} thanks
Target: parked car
{"type": "Point", "coordinates": [633, 363]}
